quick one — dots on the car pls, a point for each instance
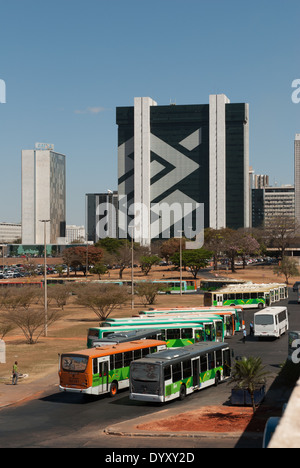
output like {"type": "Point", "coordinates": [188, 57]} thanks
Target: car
{"type": "Point", "coordinates": [296, 286]}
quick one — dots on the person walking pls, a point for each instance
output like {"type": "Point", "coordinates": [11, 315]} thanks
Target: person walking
{"type": "Point", "coordinates": [244, 336]}
{"type": "Point", "coordinates": [251, 329]}
{"type": "Point", "coordinates": [15, 374]}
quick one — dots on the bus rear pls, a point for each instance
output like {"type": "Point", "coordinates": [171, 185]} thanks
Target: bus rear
{"type": "Point", "coordinates": [75, 373]}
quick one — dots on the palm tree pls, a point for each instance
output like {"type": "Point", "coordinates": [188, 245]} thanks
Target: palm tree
{"type": "Point", "coordinates": [249, 373]}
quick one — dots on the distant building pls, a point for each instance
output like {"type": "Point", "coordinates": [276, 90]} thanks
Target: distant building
{"type": "Point", "coordinates": [271, 202]}
{"type": "Point", "coordinates": [10, 232]}
{"type": "Point", "coordinates": [297, 176]}
{"type": "Point", "coordinates": [43, 195]}
{"type": "Point", "coordinates": [102, 215]}
{"type": "Point", "coordinates": [184, 155]}
{"type": "Point", "coordinates": [75, 233]}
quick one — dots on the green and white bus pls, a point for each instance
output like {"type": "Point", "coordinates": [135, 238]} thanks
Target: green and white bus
{"type": "Point", "coordinates": [233, 317]}
{"type": "Point", "coordinates": [175, 373]}
{"type": "Point", "coordinates": [175, 335]}
{"type": "Point", "coordinates": [247, 295]}
{"type": "Point", "coordinates": [214, 324]}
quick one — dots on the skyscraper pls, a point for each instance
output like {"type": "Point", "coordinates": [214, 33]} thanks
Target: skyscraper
{"type": "Point", "coordinates": [179, 156]}
{"type": "Point", "coordinates": [43, 195]}
{"type": "Point", "coordinates": [297, 176]}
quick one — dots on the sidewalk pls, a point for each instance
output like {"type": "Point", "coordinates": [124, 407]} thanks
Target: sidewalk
{"type": "Point", "coordinates": [11, 395]}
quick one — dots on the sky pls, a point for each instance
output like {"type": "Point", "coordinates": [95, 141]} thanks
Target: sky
{"type": "Point", "coordinates": [68, 64]}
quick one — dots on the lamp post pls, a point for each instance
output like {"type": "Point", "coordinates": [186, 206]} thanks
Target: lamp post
{"type": "Point", "coordinates": [180, 260]}
{"type": "Point", "coordinates": [45, 277]}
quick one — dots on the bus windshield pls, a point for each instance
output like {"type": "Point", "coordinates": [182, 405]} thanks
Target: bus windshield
{"type": "Point", "coordinates": [74, 363]}
{"type": "Point", "coordinates": [264, 320]}
{"type": "Point", "coordinates": [145, 372]}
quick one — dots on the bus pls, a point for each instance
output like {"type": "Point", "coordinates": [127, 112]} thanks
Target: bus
{"type": "Point", "coordinates": [175, 373]}
{"type": "Point", "coordinates": [173, 286]}
{"type": "Point", "coordinates": [102, 370]}
{"type": "Point", "coordinates": [123, 336]}
{"type": "Point", "coordinates": [271, 322]}
{"type": "Point", "coordinates": [176, 335]}
{"type": "Point", "coordinates": [233, 316]}
{"type": "Point", "coordinates": [217, 283]}
{"type": "Point", "coordinates": [229, 318]}
{"type": "Point", "coordinates": [247, 295]}
{"type": "Point", "coordinates": [214, 325]}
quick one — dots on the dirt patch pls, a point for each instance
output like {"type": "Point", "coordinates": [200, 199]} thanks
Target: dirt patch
{"type": "Point", "coordinates": [213, 419]}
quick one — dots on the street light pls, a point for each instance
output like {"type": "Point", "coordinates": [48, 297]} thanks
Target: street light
{"type": "Point", "coordinates": [180, 261]}
{"type": "Point", "coordinates": [45, 277]}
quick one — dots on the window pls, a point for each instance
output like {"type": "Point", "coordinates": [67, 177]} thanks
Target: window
{"type": "Point", "coordinates": [112, 361]}
{"type": "Point", "coordinates": [145, 351]}
{"type": "Point", "coordinates": [74, 363]}
{"type": "Point", "coordinates": [187, 369]}
{"type": "Point", "coordinates": [187, 333]}
{"type": "Point", "coordinates": [218, 358]}
{"type": "Point", "coordinates": [239, 296]}
{"type": "Point", "coordinates": [127, 358]}
{"type": "Point", "coordinates": [211, 360]}
{"type": "Point", "coordinates": [118, 361]}
{"type": "Point", "coordinates": [246, 296]}
{"type": "Point", "coordinates": [254, 295]}
{"type": "Point", "coordinates": [167, 373]}
{"type": "Point", "coordinates": [173, 334]}
{"type": "Point", "coordinates": [176, 370]}
{"type": "Point", "coordinates": [137, 354]}
{"type": "Point", "coordinates": [203, 362]}
{"type": "Point", "coordinates": [95, 366]}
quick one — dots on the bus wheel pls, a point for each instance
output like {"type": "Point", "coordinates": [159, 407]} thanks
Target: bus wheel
{"type": "Point", "coordinates": [113, 389]}
{"type": "Point", "coordinates": [182, 392]}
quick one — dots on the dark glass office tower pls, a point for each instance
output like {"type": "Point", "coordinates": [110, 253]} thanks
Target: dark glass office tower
{"type": "Point", "coordinates": [182, 156]}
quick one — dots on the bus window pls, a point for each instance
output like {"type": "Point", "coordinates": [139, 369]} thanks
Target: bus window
{"type": "Point", "coordinates": [167, 372]}
{"type": "Point", "coordinates": [137, 354]}
{"type": "Point", "coordinates": [176, 371]}
{"type": "Point", "coordinates": [112, 361]}
{"type": "Point", "coordinates": [173, 334]}
{"type": "Point", "coordinates": [127, 358]}
{"type": "Point", "coordinates": [187, 333]}
{"type": "Point", "coordinates": [254, 295]}
{"type": "Point", "coordinates": [239, 296]}
{"type": "Point", "coordinates": [118, 360]}
{"type": "Point", "coordinates": [218, 358]}
{"type": "Point", "coordinates": [145, 351]}
{"type": "Point", "coordinates": [246, 296]}
{"type": "Point", "coordinates": [203, 362]}
{"type": "Point", "coordinates": [95, 366]}
{"type": "Point", "coordinates": [187, 369]}
{"type": "Point", "coordinates": [211, 361]}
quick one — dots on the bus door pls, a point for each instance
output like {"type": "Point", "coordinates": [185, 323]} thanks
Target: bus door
{"type": "Point", "coordinates": [196, 372]}
{"type": "Point", "coordinates": [219, 298]}
{"type": "Point", "coordinates": [226, 362]}
{"type": "Point", "coordinates": [103, 374]}
{"type": "Point", "coordinates": [267, 298]}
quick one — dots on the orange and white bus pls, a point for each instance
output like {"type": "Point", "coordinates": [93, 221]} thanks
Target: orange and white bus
{"type": "Point", "coordinates": [103, 370]}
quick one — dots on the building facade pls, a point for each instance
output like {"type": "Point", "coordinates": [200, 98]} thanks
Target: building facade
{"type": "Point", "coordinates": [272, 202]}
{"type": "Point", "coordinates": [297, 176]}
{"type": "Point", "coordinates": [43, 196]}
{"type": "Point", "coordinates": [190, 158]}
{"type": "Point", "coordinates": [102, 215]}
{"type": "Point", "coordinates": [10, 232]}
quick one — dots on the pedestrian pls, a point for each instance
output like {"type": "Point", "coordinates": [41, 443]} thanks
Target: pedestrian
{"type": "Point", "coordinates": [251, 329]}
{"type": "Point", "coordinates": [244, 336]}
{"type": "Point", "coordinates": [15, 373]}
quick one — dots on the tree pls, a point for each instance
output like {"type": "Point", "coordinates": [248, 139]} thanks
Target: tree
{"type": "Point", "coordinates": [214, 242]}
{"type": "Point", "coordinates": [249, 374]}
{"type": "Point", "coordinates": [101, 298]}
{"type": "Point", "coordinates": [148, 291]}
{"type": "Point", "coordinates": [231, 245]}
{"type": "Point", "coordinates": [60, 293]}
{"type": "Point", "coordinates": [280, 232]}
{"type": "Point", "coordinates": [147, 262]}
{"type": "Point", "coordinates": [287, 267]}
{"type": "Point", "coordinates": [170, 247]}
{"type": "Point", "coordinates": [21, 310]}
{"type": "Point", "coordinates": [82, 257]}
{"type": "Point", "coordinates": [248, 245]}
{"type": "Point", "coordinates": [99, 269]}
{"type": "Point", "coordinates": [194, 259]}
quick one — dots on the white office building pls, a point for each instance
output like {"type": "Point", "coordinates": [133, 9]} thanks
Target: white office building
{"type": "Point", "coordinates": [297, 176]}
{"type": "Point", "coordinates": [43, 195]}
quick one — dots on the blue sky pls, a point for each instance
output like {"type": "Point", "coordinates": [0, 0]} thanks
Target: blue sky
{"type": "Point", "coordinates": [68, 64]}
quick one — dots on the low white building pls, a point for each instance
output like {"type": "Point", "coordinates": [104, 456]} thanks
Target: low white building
{"type": "Point", "coordinates": [10, 232]}
{"type": "Point", "coordinates": [75, 233]}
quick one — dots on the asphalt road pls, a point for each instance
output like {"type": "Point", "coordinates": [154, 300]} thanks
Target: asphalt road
{"type": "Point", "coordinates": [68, 420]}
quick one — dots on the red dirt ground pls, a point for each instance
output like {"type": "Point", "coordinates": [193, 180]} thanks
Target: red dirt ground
{"type": "Point", "coordinates": [212, 419]}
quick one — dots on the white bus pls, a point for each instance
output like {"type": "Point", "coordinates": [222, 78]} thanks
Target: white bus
{"type": "Point", "coordinates": [271, 322]}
